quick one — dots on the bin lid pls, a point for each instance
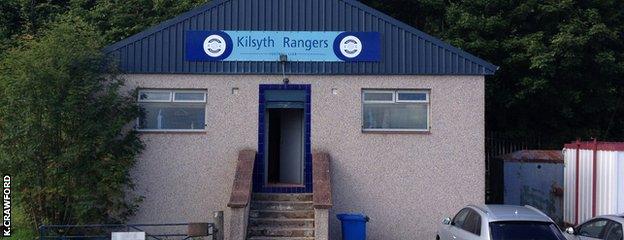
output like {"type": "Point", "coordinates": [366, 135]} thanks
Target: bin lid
{"type": "Point", "coordinates": [353, 217]}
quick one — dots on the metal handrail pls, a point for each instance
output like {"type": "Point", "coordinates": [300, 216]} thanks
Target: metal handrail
{"type": "Point", "coordinates": [43, 230]}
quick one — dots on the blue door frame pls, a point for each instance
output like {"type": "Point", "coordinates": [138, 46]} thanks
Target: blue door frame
{"type": "Point", "coordinates": [259, 184]}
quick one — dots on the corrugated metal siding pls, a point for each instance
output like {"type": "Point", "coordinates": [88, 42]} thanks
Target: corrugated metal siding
{"type": "Point", "coordinates": [585, 185]}
{"type": "Point", "coordinates": [405, 50]}
{"type": "Point", "coordinates": [620, 180]}
{"type": "Point", "coordinates": [533, 183]}
{"type": "Point", "coordinates": [569, 186]}
{"type": "Point", "coordinates": [609, 183]}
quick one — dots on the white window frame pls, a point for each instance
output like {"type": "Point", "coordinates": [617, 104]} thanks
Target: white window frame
{"type": "Point", "coordinates": [412, 101]}
{"type": "Point", "coordinates": [172, 93]}
{"type": "Point", "coordinates": [379, 91]}
{"type": "Point", "coordinates": [397, 101]}
{"type": "Point", "coordinates": [154, 91]}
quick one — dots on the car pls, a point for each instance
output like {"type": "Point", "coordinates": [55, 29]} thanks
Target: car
{"type": "Point", "coordinates": [607, 227]}
{"type": "Point", "coordinates": [499, 222]}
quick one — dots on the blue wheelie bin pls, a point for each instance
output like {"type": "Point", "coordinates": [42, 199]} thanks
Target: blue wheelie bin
{"type": "Point", "coordinates": [353, 226]}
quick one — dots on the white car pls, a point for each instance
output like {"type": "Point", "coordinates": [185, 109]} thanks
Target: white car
{"type": "Point", "coordinates": [499, 222]}
{"type": "Point", "coordinates": [607, 227]}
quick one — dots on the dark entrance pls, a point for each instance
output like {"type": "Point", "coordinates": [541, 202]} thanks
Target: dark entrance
{"type": "Point", "coordinates": [284, 162]}
{"type": "Point", "coordinates": [284, 155]}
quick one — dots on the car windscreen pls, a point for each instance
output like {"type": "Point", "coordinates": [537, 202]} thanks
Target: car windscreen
{"type": "Point", "coordinates": [525, 230]}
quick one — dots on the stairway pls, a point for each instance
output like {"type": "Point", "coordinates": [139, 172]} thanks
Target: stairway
{"type": "Point", "coordinates": [281, 217]}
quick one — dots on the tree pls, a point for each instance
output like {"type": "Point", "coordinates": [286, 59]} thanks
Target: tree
{"type": "Point", "coordinates": [561, 62]}
{"type": "Point", "coordinates": [112, 19]}
{"type": "Point", "coordinates": [21, 19]}
{"type": "Point", "coordinates": [118, 19]}
{"type": "Point", "coordinates": [64, 129]}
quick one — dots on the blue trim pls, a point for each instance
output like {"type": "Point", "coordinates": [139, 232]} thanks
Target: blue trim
{"type": "Point", "coordinates": [258, 175]}
{"type": "Point", "coordinates": [404, 49]}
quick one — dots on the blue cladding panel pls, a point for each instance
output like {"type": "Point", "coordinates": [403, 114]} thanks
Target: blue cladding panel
{"type": "Point", "coordinates": [405, 50]}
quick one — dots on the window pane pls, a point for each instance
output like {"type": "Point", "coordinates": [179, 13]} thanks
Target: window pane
{"type": "Point", "coordinates": [525, 230]}
{"type": "Point", "coordinates": [378, 96]}
{"type": "Point", "coordinates": [473, 223]}
{"type": "Point", "coordinates": [593, 229]}
{"type": "Point", "coordinates": [189, 96]}
{"type": "Point", "coordinates": [395, 116]}
{"type": "Point", "coordinates": [173, 116]}
{"type": "Point", "coordinates": [154, 96]}
{"type": "Point", "coordinates": [412, 96]}
{"type": "Point", "coordinates": [460, 218]}
{"type": "Point", "coordinates": [614, 232]}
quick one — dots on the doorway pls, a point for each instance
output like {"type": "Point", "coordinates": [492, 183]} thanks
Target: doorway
{"type": "Point", "coordinates": [284, 153]}
{"type": "Point", "coordinates": [284, 160]}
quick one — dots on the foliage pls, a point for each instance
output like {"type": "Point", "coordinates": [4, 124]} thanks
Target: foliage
{"type": "Point", "coordinates": [561, 62]}
{"type": "Point", "coordinates": [112, 19]}
{"type": "Point", "coordinates": [21, 226]}
{"type": "Point", "coordinates": [118, 19]}
{"type": "Point", "coordinates": [64, 129]}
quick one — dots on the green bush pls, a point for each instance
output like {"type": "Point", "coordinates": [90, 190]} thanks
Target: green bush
{"type": "Point", "coordinates": [64, 129]}
{"type": "Point", "coordinates": [21, 227]}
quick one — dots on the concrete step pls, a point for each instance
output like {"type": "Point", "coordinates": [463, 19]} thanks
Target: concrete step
{"type": "Point", "coordinates": [282, 197]}
{"type": "Point", "coordinates": [282, 205]}
{"type": "Point", "coordinates": [280, 232]}
{"type": "Point", "coordinates": [285, 223]}
{"type": "Point", "coordinates": [277, 214]}
{"type": "Point", "coordinates": [280, 238]}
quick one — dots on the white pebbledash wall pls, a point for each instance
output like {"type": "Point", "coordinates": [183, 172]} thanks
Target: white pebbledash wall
{"type": "Point", "coordinates": [405, 182]}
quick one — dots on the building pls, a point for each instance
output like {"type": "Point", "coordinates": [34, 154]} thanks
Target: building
{"type": "Point", "coordinates": [399, 113]}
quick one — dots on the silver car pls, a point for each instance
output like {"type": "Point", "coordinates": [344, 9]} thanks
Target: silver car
{"type": "Point", "coordinates": [499, 222]}
{"type": "Point", "coordinates": [608, 227]}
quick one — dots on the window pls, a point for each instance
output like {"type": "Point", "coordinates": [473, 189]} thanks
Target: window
{"type": "Point", "coordinates": [593, 229]}
{"type": "Point", "coordinates": [172, 110]}
{"type": "Point", "coordinates": [395, 110]}
{"type": "Point", "coordinates": [525, 230]}
{"type": "Point", "coordinates": [614, 232]}
{"type": "Point", "coordinates": [460, 218]}
{"type": "Point", "coordinates": [473, 223]}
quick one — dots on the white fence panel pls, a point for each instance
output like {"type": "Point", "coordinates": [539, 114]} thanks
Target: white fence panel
{"type": "Point", "coordinates": [620, 184]}
{"type": "Point", "coordinates": [569, 185]}
{"type": "Point", "coordinates": [609, 180]}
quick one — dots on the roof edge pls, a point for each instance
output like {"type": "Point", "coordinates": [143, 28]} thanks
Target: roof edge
{"type": "Point", "coordinates": [489, 68]}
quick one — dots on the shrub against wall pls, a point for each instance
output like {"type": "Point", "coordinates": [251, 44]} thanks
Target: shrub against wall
{"type": "Point", "coordinates": [64, 133]}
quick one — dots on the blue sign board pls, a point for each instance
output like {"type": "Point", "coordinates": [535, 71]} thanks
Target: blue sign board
{"type": "Point", "coordinates": [269, 45]}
